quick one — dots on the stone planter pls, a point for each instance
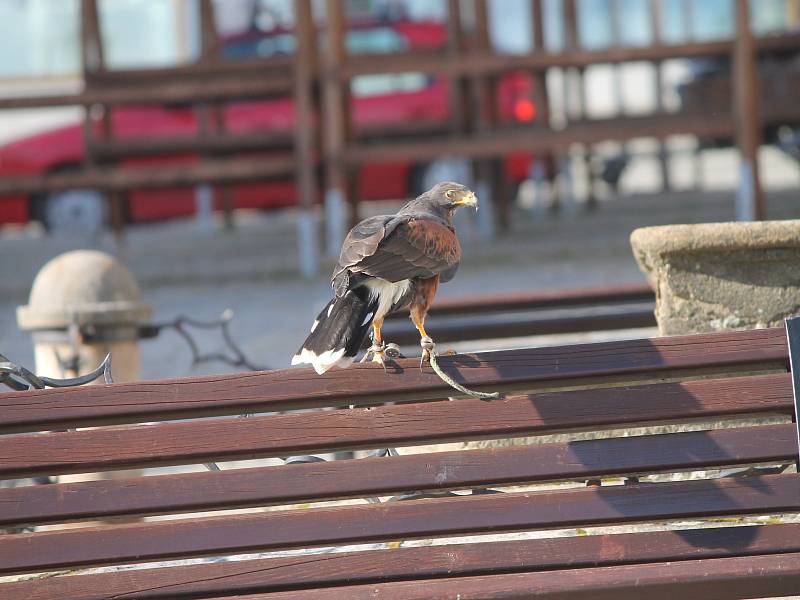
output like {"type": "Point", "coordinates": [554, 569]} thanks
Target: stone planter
{"type": "Point", "coordinates": [719, 276]}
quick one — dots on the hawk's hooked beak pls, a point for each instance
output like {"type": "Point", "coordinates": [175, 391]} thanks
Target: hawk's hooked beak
{"type": "Point", "coordinates": [468, 200]}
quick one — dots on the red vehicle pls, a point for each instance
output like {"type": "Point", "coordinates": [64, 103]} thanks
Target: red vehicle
{"type": "Point", "coordinates": [378, 99]}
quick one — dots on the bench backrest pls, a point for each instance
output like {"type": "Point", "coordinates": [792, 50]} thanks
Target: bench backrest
{"type": "Point", "coordinates": [553, 527]}
{"type": "Point", "coordinates": [522, 314]}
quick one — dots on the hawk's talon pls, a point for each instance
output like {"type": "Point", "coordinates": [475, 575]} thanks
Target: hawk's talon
{"type": "Point", "coordinates": [377, 352]}
{"type": "Point", "coordinates": [378, 358]}
{"type": "Point", "coordinates": [374, 349]}
{"type": "Point", "coordinates": [428, 350]}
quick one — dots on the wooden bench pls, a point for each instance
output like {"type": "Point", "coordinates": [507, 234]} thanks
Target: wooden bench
{"type": "Point", "coordinates": [590, 541]}
{"type": "Point", "coordinates": [524, 314]}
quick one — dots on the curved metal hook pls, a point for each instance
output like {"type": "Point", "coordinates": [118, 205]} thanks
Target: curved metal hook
{"type": "Point", "coordinates": [19, 378]}
{"type": "Point", "coordinates": [104, 369]}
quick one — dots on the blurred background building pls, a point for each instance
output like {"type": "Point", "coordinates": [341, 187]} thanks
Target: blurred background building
{"type": "Point", "coordinates": [40, 53]}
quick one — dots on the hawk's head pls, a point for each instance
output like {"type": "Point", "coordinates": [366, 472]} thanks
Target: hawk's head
{"type": "Point", "coordinates": [442, 201]}
{"type": "Point", "coordinates": [452, 196]}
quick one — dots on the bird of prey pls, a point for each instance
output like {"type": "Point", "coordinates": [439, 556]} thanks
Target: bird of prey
{"type": "Point", "coordinates": [386, 263]}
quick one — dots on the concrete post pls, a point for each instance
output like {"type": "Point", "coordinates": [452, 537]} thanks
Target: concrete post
{"type": "Point", "coordinates": [720, 276]}
{"type": "Point", "coordinates": [83, 305]}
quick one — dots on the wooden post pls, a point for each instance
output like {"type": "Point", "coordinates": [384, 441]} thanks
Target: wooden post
{"type": "Point", "coordinates": [543, 173]}
{"type": "Point", "coordinates": [750, 198]}
{"type": "Point", "coordinates": [211, 120]}
{"type": "Point", "coordinates": [571, 112]}
{"type": "Point", "coordinates": [208, 114]}
{"type": "Point", "coordinates": [537, 27]}
{"type": "Point", "coordinates": [462, 115]}
{"type": "Point", "coordinates": [656, 19]}
{"type": "Point", "coordinates": [541, 96]}
{"type": "Point", "coordinates": [227, 199]}
{"type": "Point", "coordinates": [211, 116]}
{"type": "Point", "coordinates": [304, 136]}
{"type": "Point", "coordinates": [591, 199]}
{"type": "Point", "coordinates": [489, 172]}
{"type": "Point", "coordinates": [209, 40]}
{"type": "Point", "coordinates": [570, 25]}
{"type": "Point", "coordinates": [687, 21]}
{"type": "Point", "coordinates": [618, 85]}
{"type": "Point", "coordinates": [482, 92]}
{"type": "Point", "coordinates": [92, 46]}
{"type": "Point", "coordinates": [93, 61]}
{"type": "Point", "coordinates": [337, 127]}
{"type": "Point", "coordinates": [619, 99]}
{"type": "Point", "coordinates": [570, 45]}
{"type": "Point", "coordinates": [455, 47]}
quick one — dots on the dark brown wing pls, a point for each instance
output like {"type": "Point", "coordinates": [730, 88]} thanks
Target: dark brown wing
{"type": "Point", "coordinates": [361, 241]}
{"type": "Point", "coordinates": [416, 248]}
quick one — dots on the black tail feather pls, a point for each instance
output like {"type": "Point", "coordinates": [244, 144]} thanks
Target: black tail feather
{"type": "Point", "coordinates": [338, 333]}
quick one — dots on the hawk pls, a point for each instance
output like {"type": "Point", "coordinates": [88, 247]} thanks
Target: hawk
{"type": "Point", "coordinates": [387, 262]}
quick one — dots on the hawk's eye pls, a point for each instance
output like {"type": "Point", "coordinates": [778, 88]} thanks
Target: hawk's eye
{"type": "Point", "coordinates": [450, 194]}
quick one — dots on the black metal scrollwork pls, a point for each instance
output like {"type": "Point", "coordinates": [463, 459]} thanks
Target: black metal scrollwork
{"type": "Point", "coordinates": [19, 378]}
{"type": "Point", "coordinates": [181, 324]}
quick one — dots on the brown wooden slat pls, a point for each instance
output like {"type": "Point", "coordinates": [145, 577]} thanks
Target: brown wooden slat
{"type": "Point", "coordinates": [202, 70]}
{"type": "Point", "coordinates": [208, 170]}
{"type": "Point", "coordinates": [476, 63]}
{"type": "Point", "coordinates": [537, 300]}
{"type": "Point", "coordinates": [527, 369]}
{"type": "Point", "coordinates": [188, 90]}
{"type": "Point", "coordinates": [366, 131]}
{"type": "Point", "coordinates": [215, 143]}
{"type": "Point", "coordinates": [383, 476]}
{"type": "Point", "coordinates": [399, 520]}
{"type": "Point", "coordinates": [539, 138]}
{"type": "Point", "coordinates": [472, 328]}
{"type": "Point", "coordinates": [717, 579]}
{"type": "Point", "coordinates": [228, 143]}
{"type": "Point", "coordinates": [254, 576]}
{"type": "Point", "coordinates": [124, 447]}
{"type": "Point", "coordinates": [167, 91]}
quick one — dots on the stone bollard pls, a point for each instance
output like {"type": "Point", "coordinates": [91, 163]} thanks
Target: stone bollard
{"type": "Point", "coordinates": [721, 276]}
{"type": "Point", "coordinates": [83, 305]}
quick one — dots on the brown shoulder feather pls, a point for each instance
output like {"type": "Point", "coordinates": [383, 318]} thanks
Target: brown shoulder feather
{"type": "Point", "coordinates": [416, 248]}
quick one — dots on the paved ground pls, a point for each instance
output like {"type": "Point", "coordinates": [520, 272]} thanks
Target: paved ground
{"type": "Point", "coordinates": [185, 271]}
